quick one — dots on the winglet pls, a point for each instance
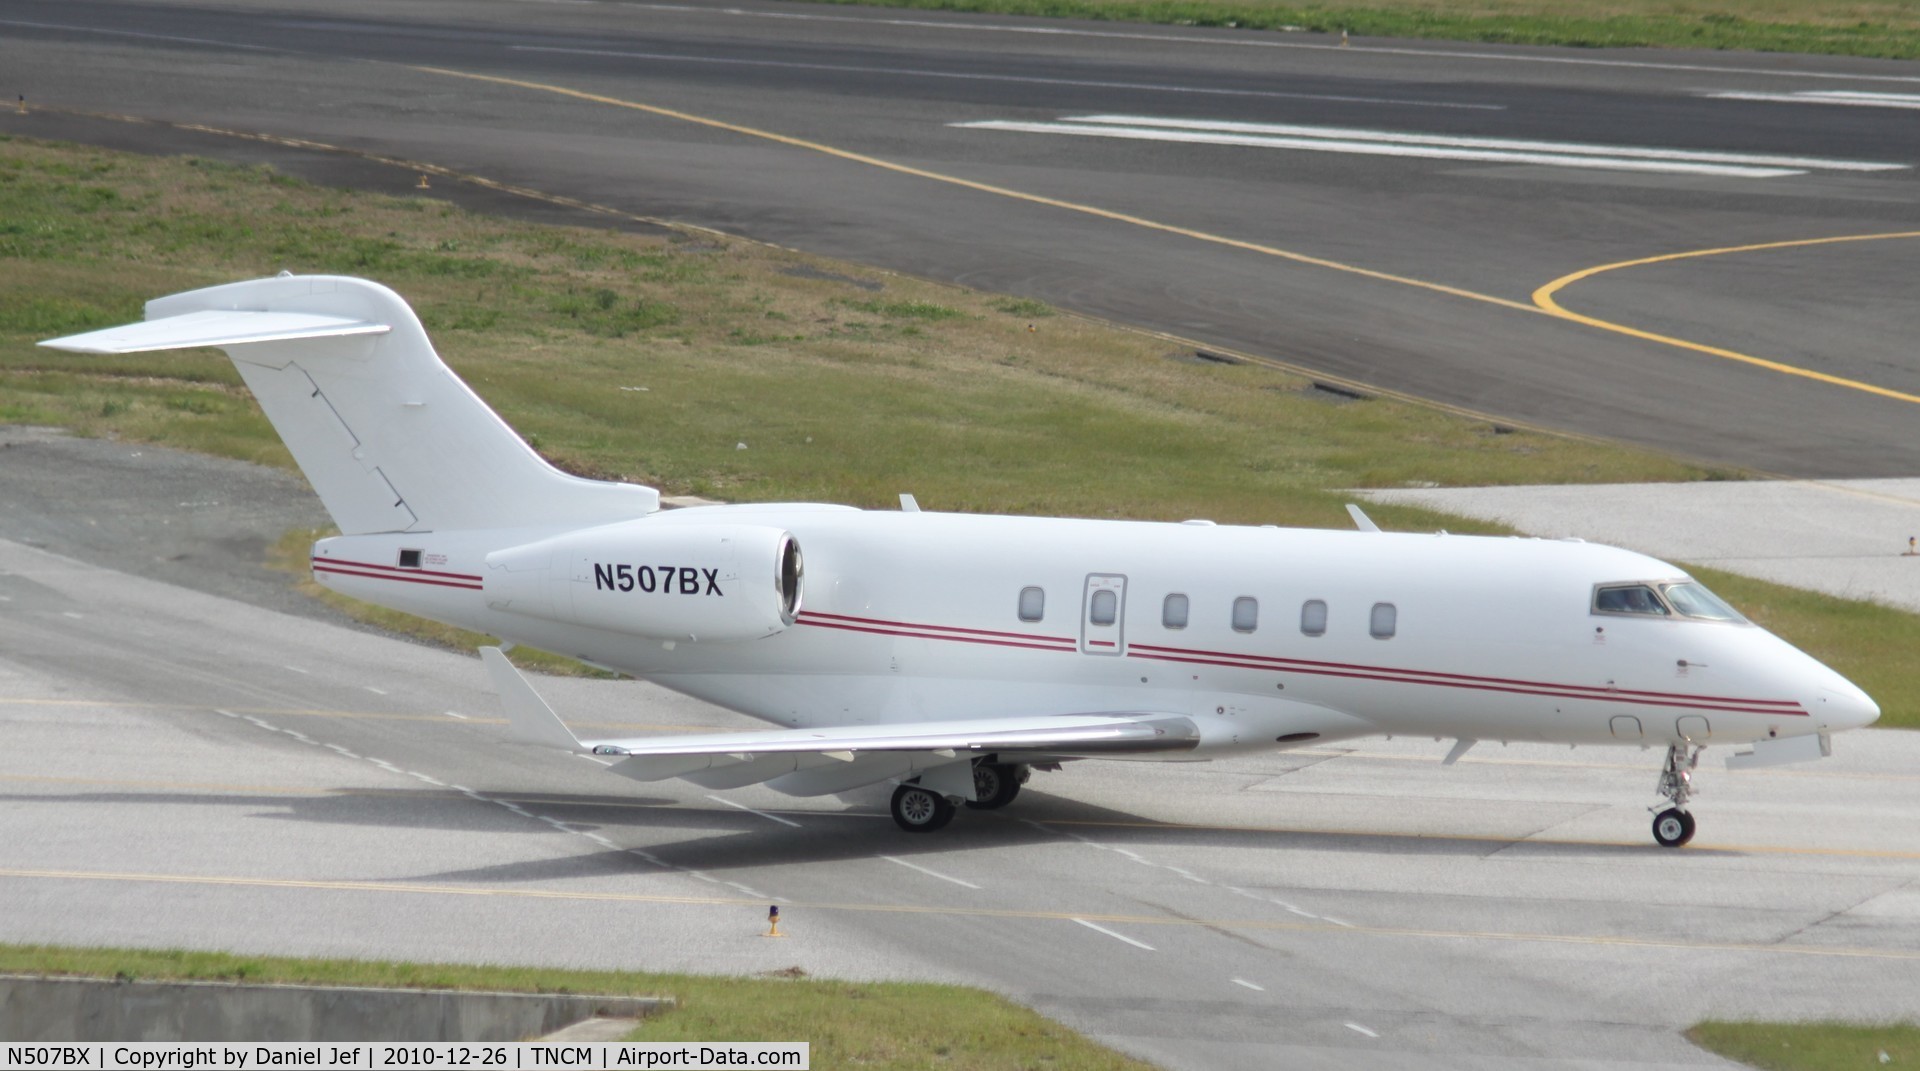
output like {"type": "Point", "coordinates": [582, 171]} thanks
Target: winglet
{"type": "Point", "coordinates": [1360, 519]}
{"type": "Point", "coordinates": [529, 716]}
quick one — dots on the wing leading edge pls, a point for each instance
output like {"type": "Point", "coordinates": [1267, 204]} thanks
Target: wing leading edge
{"type": "Point", "coordinates": [806, 762]}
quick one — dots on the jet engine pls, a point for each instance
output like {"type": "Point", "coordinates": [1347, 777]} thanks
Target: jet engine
{"type": "Point", "coordinates": [683, 582]}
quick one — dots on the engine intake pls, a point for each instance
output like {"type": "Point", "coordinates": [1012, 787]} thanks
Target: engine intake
{"type": "Point", "coordinates": [664, 581]}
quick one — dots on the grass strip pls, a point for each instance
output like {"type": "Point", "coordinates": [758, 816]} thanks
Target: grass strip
{"type": "Point", "coordinates": [734, 370]}
{"type": "Point", "coordinates": [910, 1026]}
{"type": "Point", "coordinates": [1888, 29]}
{"type": "Point", "coordinates": [1810, 1046]}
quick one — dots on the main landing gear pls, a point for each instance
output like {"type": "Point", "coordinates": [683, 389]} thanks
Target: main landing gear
{"type": "Point", "coordinates": [921, 809]}
{"type": "Point", "coordinates": [995, 784]}
{"type": "Point", "coordinates": [1673, 827]}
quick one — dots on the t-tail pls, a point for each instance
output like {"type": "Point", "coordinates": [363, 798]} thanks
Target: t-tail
{"type": "Point", "coordinates": [390, 438]}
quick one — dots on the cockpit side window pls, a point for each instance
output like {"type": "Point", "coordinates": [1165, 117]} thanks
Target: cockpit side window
{"type": "Point", "coordinates": [1691, 599]}
{"type": "Point", "coordinates": [1629, 599]}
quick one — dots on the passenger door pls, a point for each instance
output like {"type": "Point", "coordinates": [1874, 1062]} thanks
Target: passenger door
{"type": "Point", "coordinates": [1103, 615]}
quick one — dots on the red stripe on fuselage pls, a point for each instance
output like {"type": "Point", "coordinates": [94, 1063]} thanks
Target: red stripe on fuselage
{"type": "Point", "coordinates": [1274, 664]}
{"type": "Point", "coordinates": [396, 569]}
{"type": "Point", "coordinates": [332, 567]}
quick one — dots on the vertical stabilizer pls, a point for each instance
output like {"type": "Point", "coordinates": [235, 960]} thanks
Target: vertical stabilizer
{"type": "Point", "coordinates": [389, 437]}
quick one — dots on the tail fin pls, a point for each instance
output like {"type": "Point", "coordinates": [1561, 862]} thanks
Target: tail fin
{"type": "Point", "coordinates": [389, 437]}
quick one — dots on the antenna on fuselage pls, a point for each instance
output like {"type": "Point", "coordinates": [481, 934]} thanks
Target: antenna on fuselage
{"type": "Point", "coordinates": [1360, 519]}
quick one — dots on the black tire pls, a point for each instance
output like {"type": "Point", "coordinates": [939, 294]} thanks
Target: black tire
{"type": "Point", "coordinates": [1672, 827]}
{"type": "Point", "coordinates": [920, 810]}
{"type": "Point", "coordinates": [996, 784]}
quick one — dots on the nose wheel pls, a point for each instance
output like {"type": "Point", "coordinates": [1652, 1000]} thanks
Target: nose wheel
{"type": "Point", "coordinates": [1673, 827]}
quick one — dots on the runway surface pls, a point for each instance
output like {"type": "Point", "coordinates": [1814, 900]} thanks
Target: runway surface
{"type": "Point", "coordinates": [1397, 213]}
{"type": "Point", "coordinates": [184, 768]}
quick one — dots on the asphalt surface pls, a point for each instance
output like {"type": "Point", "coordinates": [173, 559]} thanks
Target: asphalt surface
{"type": "Point", "coordinates": [884, 162]}
{"type": "Point", "coordinates": [186, 769]}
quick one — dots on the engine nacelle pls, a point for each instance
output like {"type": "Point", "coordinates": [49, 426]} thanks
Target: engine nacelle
{"type": "Point", "coordinates": [662, 581]}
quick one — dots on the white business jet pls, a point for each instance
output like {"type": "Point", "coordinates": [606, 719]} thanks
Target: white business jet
{"type": "Point", "coordinates": [953, 654]}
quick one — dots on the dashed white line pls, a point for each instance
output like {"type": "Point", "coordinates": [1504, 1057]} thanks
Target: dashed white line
{"type": "Point", "coordinates": [372, 689]}
{"type": "Point", "coordinates": [928, 872]}
{"type": "Point", "coordinates": [296, 669]}
{"type": "Point", "coordinates": [70, 613]}
{"type": "Point", "coordinates": [1249, 985]}
{"type": "Point", "coordinates": [750, 810]}
{"type": "Point", "coordinates": [456, 714]}
{"type": "Point", "coordinates": [1841, 97]}
{"type": "Point", "coordinates": [1432, 146]}
{"type": "Point", "coordinates": [974, 76]}
{"type": "Point", "coordinates": [1097, 928]}
{"type": "Point", "coordinates": [1356, 1027]}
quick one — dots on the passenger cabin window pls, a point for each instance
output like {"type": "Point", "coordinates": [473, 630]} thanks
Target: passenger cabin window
{"type": "Point", "coordinates": [1628, 599]}
{"type": "Point", "coordinates": [1105, 606]}
{"type": "Point", "coordinates": [1033, 604]}
{"type": "Point", "coordinates": [1173, 612]}
{"type": "Point", "coordinates": [1246, 614]}
{"type": "Point", "coordinates": [1313, 617]}
{"type": "Point", "coordinates": [1384, 622]}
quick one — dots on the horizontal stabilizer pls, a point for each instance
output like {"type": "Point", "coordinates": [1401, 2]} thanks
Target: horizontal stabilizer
{"type": "Point", "coordinates": [214, 327]}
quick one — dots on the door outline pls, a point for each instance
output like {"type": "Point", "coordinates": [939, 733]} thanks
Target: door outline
{"type": "Point", "coordinates": [1104, 639]}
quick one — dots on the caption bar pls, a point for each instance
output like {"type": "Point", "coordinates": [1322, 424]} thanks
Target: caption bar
{"type": "Point", "coordinates": [367, 1056]}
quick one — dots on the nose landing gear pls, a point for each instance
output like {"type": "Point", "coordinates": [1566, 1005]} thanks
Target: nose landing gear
{"type": "Point", "coordinates": [1673, 827]}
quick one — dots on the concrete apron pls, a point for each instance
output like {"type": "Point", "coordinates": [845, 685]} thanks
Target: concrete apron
{"type": "Point", "coordinates": [105, 1009]}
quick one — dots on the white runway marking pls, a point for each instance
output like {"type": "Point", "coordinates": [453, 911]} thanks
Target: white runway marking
{"type": "Point", "coordinates": [295, 669]}
{"type": "Point", "coordinates": [372, 689]}
{"type": "Point", "coordinates": [749, 810]}
{"type": "Point", "coordinates": [1432, 146]}
{"type": "Point", "coordinates": [452, 714]}
{"type": "Point", "coordinates": [929, 873]}
{"type": "Point", "coordinates": [1836, 96]}
{"type": "Point", "coordinates": [1249, 985]}
{"type": "Point", "coordinates": [1116, 936]}
{"type": "Point", "coordinates": [70, 613]}
{"type": "Point", "coordinates": [1361, 1029]}
{"type": "Point", "coordinates": [590, 758]}
{"type": "Point", "coordinates": [971, 76]}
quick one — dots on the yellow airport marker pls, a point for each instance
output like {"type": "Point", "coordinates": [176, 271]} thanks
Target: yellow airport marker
{"type": "Point", "coordinates": [422, 184]}
{"type": "Point", "coordinates": [773, 922]}
{"type": "Point", "coordinates": [23, 104]}
{"type": "Point", "coordinates": [1913, 550]}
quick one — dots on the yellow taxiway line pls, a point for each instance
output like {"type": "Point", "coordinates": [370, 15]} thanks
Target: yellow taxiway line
{"type": "Point", "coordinates": [1546, 299]}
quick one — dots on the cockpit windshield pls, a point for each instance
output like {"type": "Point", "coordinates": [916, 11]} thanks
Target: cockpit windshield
{"type": "Point", "coordinates": [1691, 599]}
{"type": "Point", "coordinates": [1628, 599]}
{"type": "Point", "coordinates": [1673, 598]}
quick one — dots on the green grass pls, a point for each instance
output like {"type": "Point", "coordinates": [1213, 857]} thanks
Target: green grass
{"type": "Point", "coordinates": [1811, 1046]}
{"type": "Point", "coordinates": [842, 393]}
{"type": "Point", "coordinates": [908, 1026]}
{"type": "Point", "coordinates": [1885, 28]}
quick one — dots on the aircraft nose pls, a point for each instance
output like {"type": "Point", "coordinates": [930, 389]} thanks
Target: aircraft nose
{"type": "Point", "coordinates": [1848, 707]}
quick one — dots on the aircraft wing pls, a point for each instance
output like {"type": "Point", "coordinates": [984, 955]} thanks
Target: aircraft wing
{"type": "Point", "coordinates": [838, 758]}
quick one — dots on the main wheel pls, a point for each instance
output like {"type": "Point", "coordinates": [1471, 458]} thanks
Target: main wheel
{"type": "Point", "coordinates": [1672, 827]}
{"type": "Point", "coordinates": [994, 786]}
{"type": "Point", "coordinates": [920, 810]}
